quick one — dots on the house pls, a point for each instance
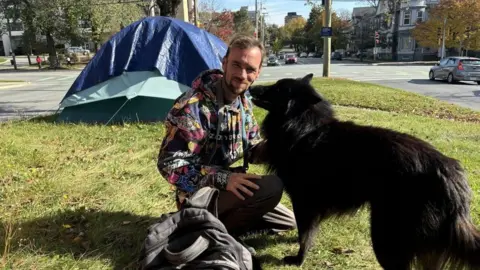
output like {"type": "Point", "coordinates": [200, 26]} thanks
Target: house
{"type": "Point", "coordinates": [364, 24]}
{"type": "Point", "coordinates": [402, 22]}
{"type": "Point", "coordinates": [411, 13]}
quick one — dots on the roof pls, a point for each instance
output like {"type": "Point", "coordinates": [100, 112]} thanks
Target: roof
{"type": "Point", "coordinates": [362, 11]}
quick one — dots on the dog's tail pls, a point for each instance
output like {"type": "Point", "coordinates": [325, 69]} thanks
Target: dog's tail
{"type": "Point", "coordinates": [463, 248]}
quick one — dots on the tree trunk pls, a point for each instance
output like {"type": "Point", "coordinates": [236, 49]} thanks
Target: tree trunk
{"type": "Point", "coordinates": [51, 50]}
{"type": "Point", "coordinates": [11, 47]}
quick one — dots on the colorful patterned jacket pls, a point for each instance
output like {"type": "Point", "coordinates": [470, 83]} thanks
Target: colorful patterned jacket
{"type": "Point", "coordinates": [187, 159]}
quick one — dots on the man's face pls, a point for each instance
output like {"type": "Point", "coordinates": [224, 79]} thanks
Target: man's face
{"type": "Point", "coordinates": [241, 68]}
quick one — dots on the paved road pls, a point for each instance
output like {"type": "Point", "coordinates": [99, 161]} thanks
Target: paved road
{"type": "Point", "coordinates": [410, 78]}
{"type": "Point", "coordinates": [47, 88]}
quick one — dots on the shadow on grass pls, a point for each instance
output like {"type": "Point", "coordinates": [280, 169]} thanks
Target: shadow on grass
{"type": "Point", "coordinates": [50, 118]}
{"type": "Point", "coordinates": [115, 236]}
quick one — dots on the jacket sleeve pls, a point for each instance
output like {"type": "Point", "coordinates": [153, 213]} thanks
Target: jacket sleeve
{"type": "Point", "coordinates": [179, 160]}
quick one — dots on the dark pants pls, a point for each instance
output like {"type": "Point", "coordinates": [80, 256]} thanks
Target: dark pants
{"type": "Point", "coordinates": [262, 211]}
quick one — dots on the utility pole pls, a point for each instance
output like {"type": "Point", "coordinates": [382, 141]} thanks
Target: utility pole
{"type": "Point", "coordinates": [195, 12]}
{"type": "Point", "coordinates": [327, 41]}
{"type": "Point", "coordinates": [443, 38]}
{"type": "Point", "coordinates": [256, 19]}
{"type": "Point", "coordinates": [263, 29]}
{"type": "Point", "coordinates": [152, 8]}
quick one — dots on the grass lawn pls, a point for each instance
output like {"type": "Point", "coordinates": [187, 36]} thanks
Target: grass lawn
{"type": "Point", "coordinates": [3, 59]}
{"type": "Point", "coordinates": [81, 197]}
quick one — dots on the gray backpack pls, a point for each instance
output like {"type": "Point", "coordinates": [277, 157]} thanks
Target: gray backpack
{"type": "Point", "coordinates": [193, 238]}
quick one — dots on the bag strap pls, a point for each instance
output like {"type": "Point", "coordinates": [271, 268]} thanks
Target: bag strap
{"type": "Point", "coordinates": [204, 198]}
{"type": "Point", "coordinates": [189, 253]}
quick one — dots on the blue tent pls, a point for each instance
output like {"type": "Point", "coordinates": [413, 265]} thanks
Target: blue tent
{"type": "Point", "coordinates": [138, 74]}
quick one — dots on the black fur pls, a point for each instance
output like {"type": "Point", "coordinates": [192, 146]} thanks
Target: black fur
{"type": "Point", "coordinates": [419, 198]}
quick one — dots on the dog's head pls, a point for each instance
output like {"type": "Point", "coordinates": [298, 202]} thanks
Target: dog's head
{"type": "Point", "coordinates": [287, 96]}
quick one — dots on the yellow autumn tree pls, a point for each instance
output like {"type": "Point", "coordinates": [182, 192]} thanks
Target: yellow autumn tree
{"type": "Point", "coordinates": [293, 26]}
{"type": "Point", "coordinates": [462, 25]}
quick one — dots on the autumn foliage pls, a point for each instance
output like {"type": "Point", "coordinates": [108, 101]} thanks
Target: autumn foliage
{"type": "Point", "coordinates": [462, 28]}
{"type": "Point", "coordinates": [222, 25]}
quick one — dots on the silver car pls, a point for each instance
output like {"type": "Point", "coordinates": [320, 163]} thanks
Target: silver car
{"type": "Point", "coordinates": [456, 68]}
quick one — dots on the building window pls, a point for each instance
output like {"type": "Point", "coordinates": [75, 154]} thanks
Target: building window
{"type": "Point", "coordinates": [419, 16]}
{"type": "Point", "coordinates": [406, 18]}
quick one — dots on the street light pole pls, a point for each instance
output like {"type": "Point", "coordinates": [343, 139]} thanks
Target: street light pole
{"type": "Point", "coordinates": [443, 38]}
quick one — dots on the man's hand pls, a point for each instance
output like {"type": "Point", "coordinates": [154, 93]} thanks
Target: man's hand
{"type": "Point", "coordinates": [240, 181]}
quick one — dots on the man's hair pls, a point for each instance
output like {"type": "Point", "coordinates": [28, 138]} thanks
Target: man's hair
{"type": "Point", "coordinates": [245, 42]}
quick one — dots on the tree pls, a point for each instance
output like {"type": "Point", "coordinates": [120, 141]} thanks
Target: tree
{"type": "Point", "coordinates": [206, 11]}
{"type": "Point", "coordinates": [340, 33]}
{"type": "Point", "coordinates": [460, 32]}
{"type": "Point", "coordinates": [315, 13]}
{"type": "Point", "coordinates": [371, 3]}
{"type": "Point", "coordinates": [109, 18]}
{"type": "Point", "coordinates": [292, 26]}
{"type": "Point", "coordinates": [222, 25]}
{"type": "Point", "coordinates": [340, 27]}
{"type": "Point", "coordinates": [56, 20]}
{"type": "Point", "coordinates": [242, 22]}
{"type": "Point", "coordinates": [277, 45]}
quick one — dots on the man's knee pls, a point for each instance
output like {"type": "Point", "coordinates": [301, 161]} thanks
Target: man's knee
{"type": "Point", "coordinates": [270, 185]}
{"type": "Point", "coordinates": [271, 188]}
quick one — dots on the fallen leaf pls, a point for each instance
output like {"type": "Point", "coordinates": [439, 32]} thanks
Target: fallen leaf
{"type": "Point", "coordinates": [77, 239]}
{"type": "Point", "coordinates": [126, 222]}
{"type": "Point", "coordinates": [67, 226]}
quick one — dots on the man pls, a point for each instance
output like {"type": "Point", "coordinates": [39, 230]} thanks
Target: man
{"type": "Point", "coordinates": [204, 137]}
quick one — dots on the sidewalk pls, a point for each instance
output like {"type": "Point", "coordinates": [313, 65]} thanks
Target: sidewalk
{"type": "Point", "coordinates": [392, 63]}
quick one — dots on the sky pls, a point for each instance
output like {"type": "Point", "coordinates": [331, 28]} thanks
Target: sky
{"type": "Point", "coordinates": [277, 9]}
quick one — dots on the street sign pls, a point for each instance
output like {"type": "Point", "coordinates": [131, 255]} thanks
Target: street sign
{"type": "Point", "coordinates": [326, 32]}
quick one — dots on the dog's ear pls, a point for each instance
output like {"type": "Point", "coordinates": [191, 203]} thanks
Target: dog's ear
{"type": "Point", "coordinates": [308, 78]}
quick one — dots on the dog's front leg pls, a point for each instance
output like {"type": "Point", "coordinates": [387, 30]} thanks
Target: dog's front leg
{"type": "Point", "coordinates": [307, 226]}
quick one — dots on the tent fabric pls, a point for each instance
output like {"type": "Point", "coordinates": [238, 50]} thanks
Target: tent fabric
{"type": "Point", "coordinates": [129, 85]}
{"type": "Point", "coordinates": [117, 110]}
{"type": "Point", "coordinates": [177, 49]}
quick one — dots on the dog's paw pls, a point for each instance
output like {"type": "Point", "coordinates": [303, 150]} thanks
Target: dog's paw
{"type": "Point", "coordinates": [292, 260]}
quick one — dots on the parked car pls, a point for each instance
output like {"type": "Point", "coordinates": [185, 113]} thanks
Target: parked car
{"type": "Point", "coordinates": [456, 68]}
{"type": "Point", "coordinates": [303, 55]}
{"type": "Point", "coordinates": [272, 61]}
{"type": "Point", "coordinates": [310, 55]}
{"type": "Point", "coordinates": [336, 56]}
{"type": "Point", "coordinates": [78, 50]}
{"type": "Point", "coordinates": [290, 59]}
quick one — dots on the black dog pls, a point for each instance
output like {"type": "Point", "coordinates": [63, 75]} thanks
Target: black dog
{"type": "Point", "coordinates": [419, 198]}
